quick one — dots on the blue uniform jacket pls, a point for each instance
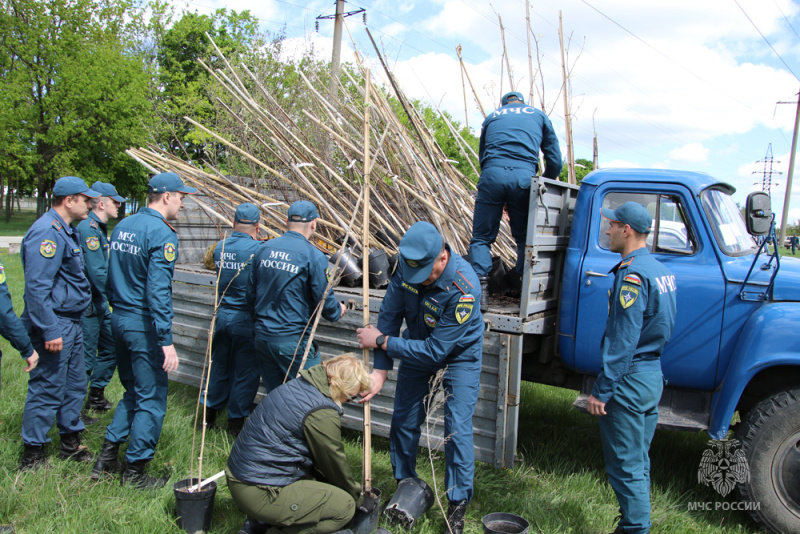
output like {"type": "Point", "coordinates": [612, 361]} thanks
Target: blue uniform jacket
{"type": "Point", "coordinates": [93, 235]}
{"type": "Point", "coordinates": [239, 255]}
{"type": "Point", "coordinates": [55, 284]}
{"type": "Point", "coordinates": [443, 320]}
{"type": "Point", "coordinates": [287, 281]}
{"type": "Point", "coordinates": [144, 248]}
{"type": "Point", "coordinates": [641, 315]}
{"type": "Point", "coordinates": [11, 327]}
{"type": "Point", "coordinates": [511, 136]}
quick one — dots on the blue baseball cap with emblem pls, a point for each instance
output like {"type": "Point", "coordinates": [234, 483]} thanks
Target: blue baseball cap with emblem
{"type": "Point", "coordinates": [302, 211]}
{"type": "Point", "coordinates": [247, 213]}
{"type": "Point", "coordinates": [630, 213]}
{"type": "Point", "coordinates": [72, 185]}
{"type": "Point", "coordinates": [510, 97]}
{"type": "Point", "coordinates": [419, 249]}
{"type": "Point", "coordinates": [108, 190]}
{"type": "Point", "coordinates": [169, 182]}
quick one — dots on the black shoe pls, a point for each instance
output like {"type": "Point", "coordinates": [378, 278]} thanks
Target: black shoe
{"type": "Point", "coordinates": [252, 526]}
{"type": "Point", "coordinates": [32, 457]}
{"type": "Point", "coordinates": [455, 517]}
{"type": "Point", "coordinates": [211, 418]}
{"type": "Point", "coordinates": [484, 280]}
{"type": "Point", "coordinates": [107, 461]}
{"type": "Point", "coordinates": [88, 419]}
{"type": "Point", "coordinates": [133, 474]}
{"type": "Point", "coordinates": [97, 401]}
{"type": "Point", "coordinates": [235, 426]}
{"type": "Point", "coordinates": [71, 448]}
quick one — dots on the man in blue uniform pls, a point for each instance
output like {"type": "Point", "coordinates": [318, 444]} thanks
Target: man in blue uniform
{"type": "Point", "coordinates": [98, 343]}
{"type": "Point", "coordinates": [144, 249]}
{"type": "Point", "coordinates": [234, 365]}
{"type": "Point", "coordinates": [287, 283]}
{"type": "Point", "coordinates": [12, 329]}
{"type": "Point", "coordinates": [641, 314]}
{"type": "Point", "coordinates": [511, 137]}
{"type": "Point", "coordinates": [437, 293]}
{"type": "Point", "coordinates": [56, 295]}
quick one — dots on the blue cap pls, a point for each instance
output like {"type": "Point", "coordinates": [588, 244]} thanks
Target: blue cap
{"type": "Point", "coordinates": [511, 96]}
{"type": "Point", "coordinates": [302, 211]}
{"type": "Point", "coordinates": [630, 213]}
{"type": "Point", "coordinates": [72, 185]}
{"type": "Point", "coordinates": [168, 181]}
{"type": "Point", "coordinates": [108, 190]}
{"type": "Point", "coordinates": [247, 213]}
{"type": "Point", "coordinates": [419, 249]}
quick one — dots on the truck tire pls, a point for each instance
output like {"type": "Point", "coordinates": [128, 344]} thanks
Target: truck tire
{"type": "Point", "coordinates": [770, 437]}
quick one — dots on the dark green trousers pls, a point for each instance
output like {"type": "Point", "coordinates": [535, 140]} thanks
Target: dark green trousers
{"type": "Point", "coordinates": [303, 507]}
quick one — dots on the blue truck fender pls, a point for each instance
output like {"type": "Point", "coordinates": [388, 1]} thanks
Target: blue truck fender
{"type": "Point", "coordinates": [770, 338]}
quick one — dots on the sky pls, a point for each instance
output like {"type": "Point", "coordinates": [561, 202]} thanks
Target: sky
{"type": "Point", "coordinates": [700, 85]}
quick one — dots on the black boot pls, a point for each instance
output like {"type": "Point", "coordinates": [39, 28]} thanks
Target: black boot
{"type": "Point", "coordinates": [211, 418]}
{"type": "Point", "coordinates": [107, 461]}
{"type": "Point", "coordinates": [71, 448]}
{"type": "Point", "coordinates": [134, 474]}
{"type": "Point", "coordinates": [235, 426]}
{"type": "Point", "coordinates": [252, 526]}
{"type": "Point", "coordinates": [455, 517]}
{"type": "Point", "coordinates": [33, 457]}
{"type": "Point", "coordinates": [97, 401]}
{"type": "Point", "coordinates": [484, 280]}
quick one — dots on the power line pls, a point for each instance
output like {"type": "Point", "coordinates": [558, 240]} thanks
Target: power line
{"type": "Point", "coordinates": [766, 40]}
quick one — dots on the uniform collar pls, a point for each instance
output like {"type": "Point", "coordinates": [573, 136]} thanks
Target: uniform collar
{"type": "Point", "coordinates": [627, 260]}
{"type": "Point", "coordinates": [240, 234]}
{"type": "Point", "coordinates": [151, 212]}
{"type": "Point", "coordinates": [56, 216]}
{"type": "Point", "coordinates": [93, 215]}
{"type": "Point", "coordinates": [295, 235]}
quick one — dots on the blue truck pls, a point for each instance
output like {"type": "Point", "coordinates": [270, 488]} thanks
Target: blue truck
{"type": "Point", "coordinates": [734, 354]}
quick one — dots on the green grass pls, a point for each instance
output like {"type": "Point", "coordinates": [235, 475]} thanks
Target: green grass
{"type": "Point", "coordinates": [559, 485]}
{"type": "Point", "coordinates": [18, 224]}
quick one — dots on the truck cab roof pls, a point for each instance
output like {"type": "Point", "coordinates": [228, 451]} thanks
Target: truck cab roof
{"type": "Point", "coordinates": [696, 181]}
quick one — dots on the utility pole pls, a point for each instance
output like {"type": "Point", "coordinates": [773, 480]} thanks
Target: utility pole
{"type": "Point", "coordinates": [785, 216]}
{"type": "Point", "coordinates": [337, 39]}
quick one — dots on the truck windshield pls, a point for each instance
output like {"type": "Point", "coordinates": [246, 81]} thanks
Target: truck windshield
{"type": "Point", "coordinates": [727, 222]}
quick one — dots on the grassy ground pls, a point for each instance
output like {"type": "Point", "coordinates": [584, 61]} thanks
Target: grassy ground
{"type": "Point", "coordinates": [559, 485]}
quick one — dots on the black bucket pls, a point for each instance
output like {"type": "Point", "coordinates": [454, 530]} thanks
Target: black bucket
{"type": "Point", "coordinates": [194, 510]}
{"type": "Point", "coordinates": [387, 238]}
{"type": "Point", "coordinates": [497, 277]}
{"type": "Point", "coordinates": [366, 523]}
{"type": "Point", "coordinates": [378, 268]}
{"type": "Point", "coordinates": [502, 523]}
{"type": "Point", "coordinates": [411, 500]}
{"type": "Point", "coordinates": [351, 272]}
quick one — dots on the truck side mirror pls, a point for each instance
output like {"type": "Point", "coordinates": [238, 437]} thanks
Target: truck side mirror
{"type": "Point", "coordinates": [759, 213]}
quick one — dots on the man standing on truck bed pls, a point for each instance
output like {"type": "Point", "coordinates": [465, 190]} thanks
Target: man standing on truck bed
{"type": "Point", "coordinates": [144, 248]}
{"type": "Point", "coordinates": [511, 137]}
{"type": "Point", "coordinates": [641, 314]}
{"type": "Point", "coordinates": [436, 292]}
{"type": "Point", "coordinates": [98, 343]}
{"type": "Point", "coordinates": [287, 283]}
{"type": "Point", "coordinates": [234, 373]}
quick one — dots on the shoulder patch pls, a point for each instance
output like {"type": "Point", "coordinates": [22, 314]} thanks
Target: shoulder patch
{"type": "Point", "coordinates": [462, 283]}
{"type": "Point", "coordinates": [48, 248]}
{"type": "Point", "coordinates": [2, 274]}
{"type": "Point", "coordinates": [170, 251]}
{"type": "Point", "coordinates": [626, 262]}
{"type": "Point", "coordinates": [632, 279]}
{"type": "Point", "coordinates": [627, 296]}
{"type": "Point", "coordinates": [430, 320]}
{"type": "Point", "coordinates": [463, 311]}
{"type": "Point", "coordinates": [92, 243]}
{"type": "Point", "coordinates": [57, 225]}
{"type": "Point", "coordinates": [466, 298]}
{"type": "Point", "coordinates": [93, 223]}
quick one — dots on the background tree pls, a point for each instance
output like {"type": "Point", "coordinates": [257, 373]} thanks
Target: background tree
{"type": "Point", "coordinates": [582, 168]}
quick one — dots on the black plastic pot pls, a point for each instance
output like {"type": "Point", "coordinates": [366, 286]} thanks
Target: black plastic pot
{"type": "Point", "coordinates": [195, 509]}
{"type": "Point", "coordinates": [366, 523]}
{"type": "Point", "coordinates": [497, 277]}
{"type": "Point", "coordinates": [378, 268]}
{"type": "Point", "coordinates": [502, 523]}
{"type": "Point", "coordinates": [351, 272]}
{"type": "Point", "coordinates": [388, 238]}
{"type": "Point", "coordinates": [411, 500]}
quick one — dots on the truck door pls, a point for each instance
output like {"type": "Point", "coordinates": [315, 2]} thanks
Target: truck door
{"type": "Point", "coordinates": [679, 242]}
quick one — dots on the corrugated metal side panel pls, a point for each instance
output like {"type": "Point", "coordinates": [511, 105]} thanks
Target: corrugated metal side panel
{"type": "Point", "coordinates": [193, 305]}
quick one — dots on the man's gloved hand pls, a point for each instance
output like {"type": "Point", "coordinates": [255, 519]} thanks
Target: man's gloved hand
{"type": "Point", "coordinates": [369, 502]}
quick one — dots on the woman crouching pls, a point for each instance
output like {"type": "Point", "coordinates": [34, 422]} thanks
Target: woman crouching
{"type": "Point", "coordinates": [287, 470]}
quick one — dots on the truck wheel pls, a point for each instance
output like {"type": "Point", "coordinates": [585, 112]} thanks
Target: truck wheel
{"type": "Point", "coordinates": [770, 437]}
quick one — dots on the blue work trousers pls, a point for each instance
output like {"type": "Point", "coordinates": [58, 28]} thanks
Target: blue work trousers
{"type": "Point", "coordinates": [626, 432]}
{"type": "Point", "coordinates": [461, 385]}
{"type": "Point", "coordinates": [234, 364]}
{"type": "Point", "coordinates": [140, 413]}
{"type": "Point", "coordinates": [278, 361]}
{"type": "Point", "coordinates": [499, 187]}
{"type": "Point", "coordinates": [56, 387]}
{"type": "Point", "coordinates": [98, 348]}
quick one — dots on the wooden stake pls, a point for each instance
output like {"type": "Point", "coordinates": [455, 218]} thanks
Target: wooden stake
{"type": "Point", "coordinates": [567, 120]}
{"type": "Point", "coordinates": [365, 279]}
